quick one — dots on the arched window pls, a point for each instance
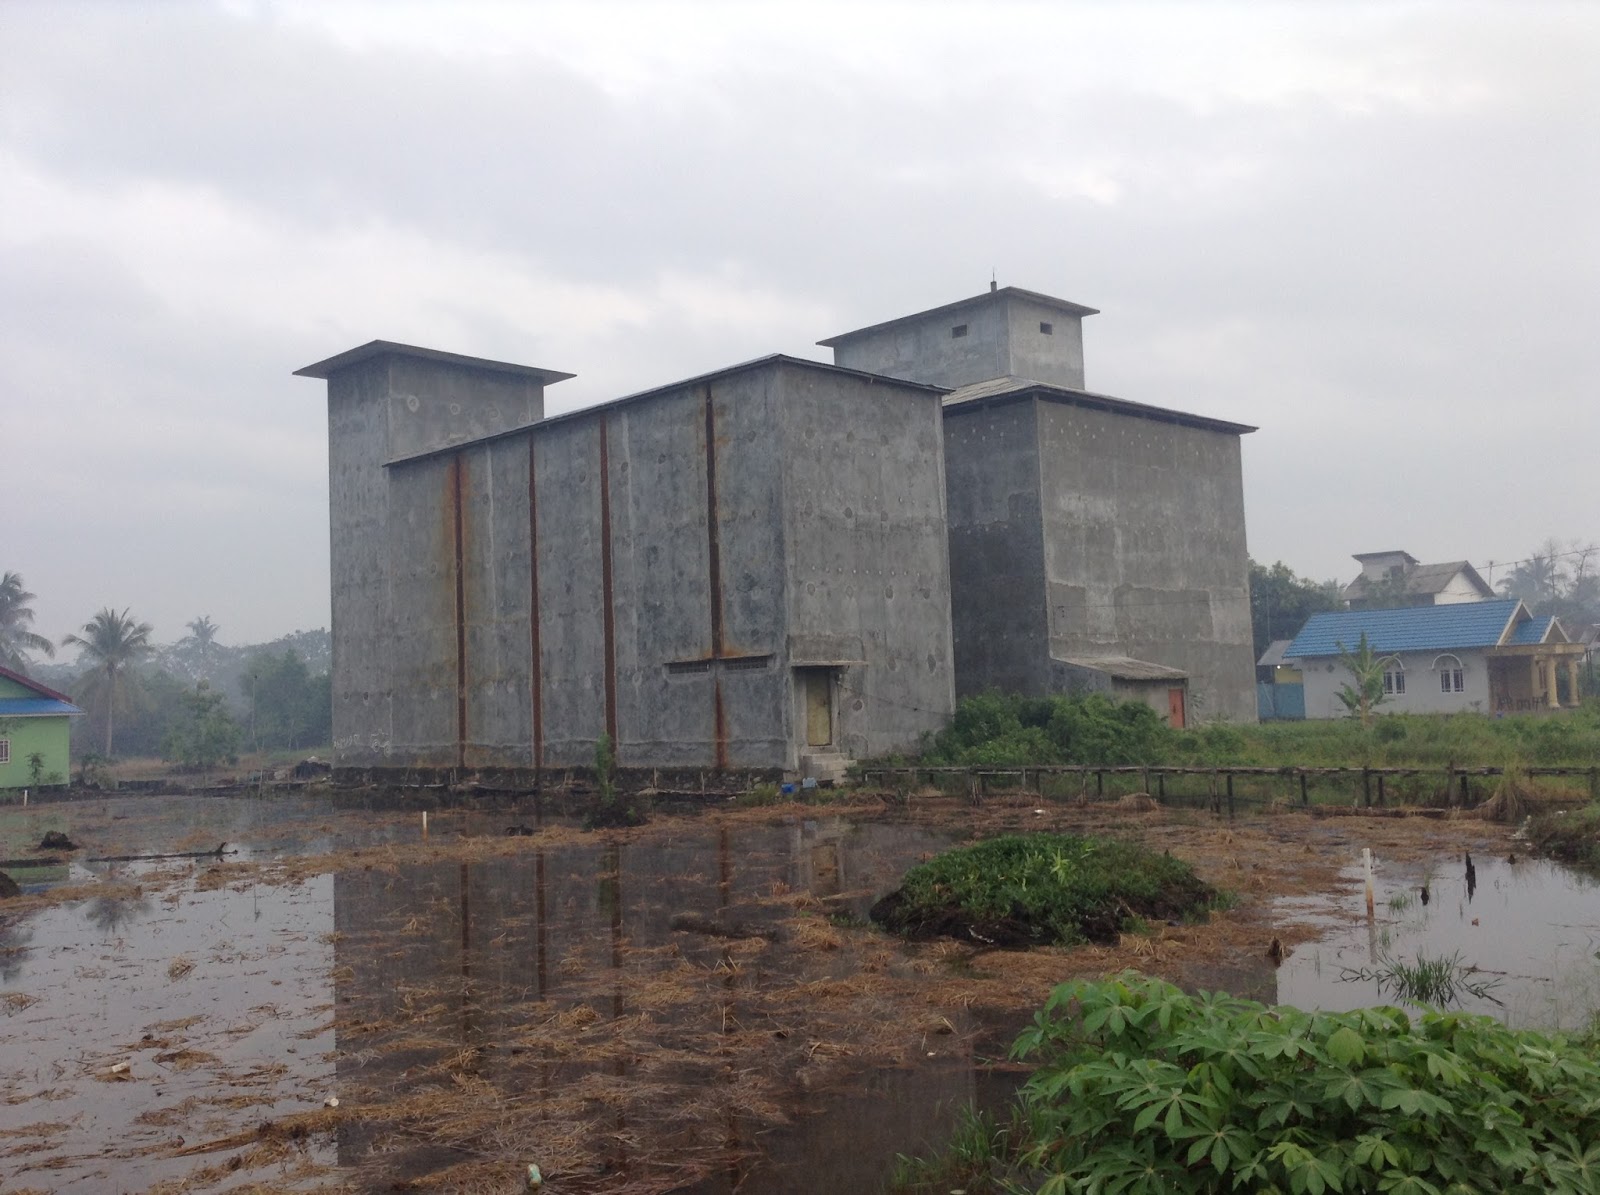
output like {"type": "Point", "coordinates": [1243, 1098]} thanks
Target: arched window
{"type": "Point", "coordinates": [1394, 677]}
{"type": "Point", "coordinates": [1452, 674]}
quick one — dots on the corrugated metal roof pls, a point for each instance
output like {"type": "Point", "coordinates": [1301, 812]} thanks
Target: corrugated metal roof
{"type": "Point", "coordinates": [1274, 656]}
{"type": "Point", "coordinates": [1531, 632]}
{"type": "Point", "coordinates": [27, 682]}
{"type": "Point", "coordinates": [1413, 628]}
{"type": "Point", "coordinates": [35, 707]}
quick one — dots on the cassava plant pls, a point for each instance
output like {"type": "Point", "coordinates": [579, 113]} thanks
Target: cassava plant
{"type": "Point", "coordinates": [1141, 1089]}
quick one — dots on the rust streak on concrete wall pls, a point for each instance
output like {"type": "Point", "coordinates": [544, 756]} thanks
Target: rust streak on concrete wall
{"type": "Point", "coordinates": [535, 655]}
{"type": "Point", "coordinates": [606, 589]}
{"type": "Point", "coordinates": [714, 557]}
{"type": "Point", "coordinates": [457, 468]}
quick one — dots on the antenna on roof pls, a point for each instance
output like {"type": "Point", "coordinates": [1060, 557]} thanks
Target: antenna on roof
{"type": "Point", "coordinates": [993, 285]}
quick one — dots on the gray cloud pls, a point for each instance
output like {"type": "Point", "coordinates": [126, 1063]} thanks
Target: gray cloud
{"type": "Point", "coordinates": [1368, 230]}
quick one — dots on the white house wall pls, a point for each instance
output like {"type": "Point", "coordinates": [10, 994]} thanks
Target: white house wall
{"type": "Point", "coordinates": [1324, 678]}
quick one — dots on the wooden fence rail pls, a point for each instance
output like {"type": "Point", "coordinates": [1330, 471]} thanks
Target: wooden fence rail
{"type": "Point", "coordinates": [1455, 781]}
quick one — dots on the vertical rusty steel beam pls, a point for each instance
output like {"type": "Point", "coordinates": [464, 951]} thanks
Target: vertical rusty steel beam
{"type": "Point", "coordinates": [714, 563]}
{"type": "Point", "coordinates": [713, 532]}
{"type": "Point", "coordinates": [605, 587]}
{"type": "Point", "coordinates": [536, 655]}
{"type": "Point", "coordinates": [456, 470]}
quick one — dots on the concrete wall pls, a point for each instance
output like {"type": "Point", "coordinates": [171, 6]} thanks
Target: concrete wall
{"type": "Point", "coordinates": [1003, 337]}
{"type": "Point", "coordinates": [394, 539]}
{"type": "Point", "coordinates": [1457, 589]}
{"type": "Point", "coordinates": [358, 484]}
{"type": "Point", "coordinates": [997, 594]}
{"type": "Point", "coordinates": [436, 404]}
{"type": "Point", "coordinates": [1324, 678]}
{"type": "Point", "coordinates": [926, 351]}
{"type": "Point", "coordinates": [867, 554]}
{"type": "Point", "coordinates": [1145, 556]}
{"type": "Point", "coordinates": [1056, 357]}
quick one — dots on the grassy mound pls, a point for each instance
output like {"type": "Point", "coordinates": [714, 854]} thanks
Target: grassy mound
{"type": "Point", "coordinates": [1039, 889]}
{"type": "Point", "coordinates": [1573, 836]}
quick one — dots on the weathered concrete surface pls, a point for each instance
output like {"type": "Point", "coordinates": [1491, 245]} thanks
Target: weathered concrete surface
{"type": "Point", "coordinates": [867, 554]}
{"type": "Point", "coordinates": [675, 557]}
{"type": "Point", "coordinates": [1145, 554]}
{"type": "Point", "coordinates": [1078, 532]}
{"type": "Point", "coordinates": [394, 540]}
{"type": "Point", "coordinates": [997, 593]}
{"type": "Point", "coordinates": [997, 334]}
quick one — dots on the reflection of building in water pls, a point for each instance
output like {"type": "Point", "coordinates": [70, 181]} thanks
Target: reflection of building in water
{"type": "Point", "coordinates": [506, 971]}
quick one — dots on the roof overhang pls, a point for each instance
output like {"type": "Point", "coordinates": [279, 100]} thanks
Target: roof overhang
{"type": "Point", "coordinates": [988, 296]}
{"type": "Point", "coordinates": [329, 366]}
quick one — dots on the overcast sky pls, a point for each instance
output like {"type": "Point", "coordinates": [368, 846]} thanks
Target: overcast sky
{"type": "Point", "coordinates": [1372, 231]}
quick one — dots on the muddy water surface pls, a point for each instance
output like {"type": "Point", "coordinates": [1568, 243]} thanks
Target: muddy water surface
{"type": "Point", "coordinates": [693, 1006]}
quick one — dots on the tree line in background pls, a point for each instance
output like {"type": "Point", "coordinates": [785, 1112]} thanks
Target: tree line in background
{"type": "Point", "coordinates": [196, 702]}
{"type": "Point", "coordinates": [1556, 579]}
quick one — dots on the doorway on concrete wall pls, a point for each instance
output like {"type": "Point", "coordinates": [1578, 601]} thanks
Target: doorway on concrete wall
{"type": "Point", "coordinates": [817, 686]}
{"type": "Point", "coordinates": [1175, 709]}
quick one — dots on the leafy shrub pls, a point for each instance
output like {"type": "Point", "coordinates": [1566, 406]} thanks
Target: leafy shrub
{"type": "Point", "coordinates": [1573, 836]}
{"type": "Point", "coordinates": [997, 730]}
{"type": "Point", "coordinates": [1033, 889]}
{"type": "Point", "coordinates": [1142, 1089]}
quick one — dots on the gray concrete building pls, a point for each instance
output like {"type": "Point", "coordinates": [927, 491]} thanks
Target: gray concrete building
{"type": "Point", "coordinates": [778, 566]}
{"type": "Point", "coordinates": [1096, 544]}
{"type": "Point", "coordinates": [745, 570]}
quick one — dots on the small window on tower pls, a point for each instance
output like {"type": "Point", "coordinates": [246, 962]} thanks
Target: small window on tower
{"type": "Point", "coordinates": [958, 331]}
{"type": "Point", "coordinates": [1047, 329]}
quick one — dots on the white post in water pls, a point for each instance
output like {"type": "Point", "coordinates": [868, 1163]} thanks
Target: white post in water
{"type": "Point", "coordinates": [1366, 859]}
{"type": "Point", "coordinates": [425, 834]}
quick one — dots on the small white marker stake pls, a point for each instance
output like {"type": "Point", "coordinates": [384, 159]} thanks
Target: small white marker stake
{"type": "Point", "coordinates": [425, 834]}
{"type": "Point", "coordinates": [1366, 859]}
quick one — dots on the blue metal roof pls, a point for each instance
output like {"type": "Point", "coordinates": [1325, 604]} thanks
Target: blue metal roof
{"type": "Point", "coordinates": [1413, 628]}
{"type": "Point", "coordinates": [1532, 631]}
{"type": "Point", "coordinates": [34, 707]}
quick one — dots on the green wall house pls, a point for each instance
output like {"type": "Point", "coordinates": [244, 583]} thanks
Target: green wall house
{"type": "Point", "coordinates": [33, 720]}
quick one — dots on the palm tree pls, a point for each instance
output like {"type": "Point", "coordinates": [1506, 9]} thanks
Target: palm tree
{"type": "Point", "coordinates": [203, 638]}
{"type": "Point", "coordinates": [112, 642]}
{"type": "Point", "coordinates": [15, 616]}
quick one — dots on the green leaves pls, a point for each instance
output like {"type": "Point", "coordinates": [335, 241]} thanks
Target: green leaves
{"type": "Point", "coordinates": [1139, 1087]}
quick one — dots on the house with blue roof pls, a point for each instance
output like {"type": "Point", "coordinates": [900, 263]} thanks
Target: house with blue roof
{"type": "Point", "coordinates": [34, 720]}
{"type": "Point", "coordinates": [1486, 656]}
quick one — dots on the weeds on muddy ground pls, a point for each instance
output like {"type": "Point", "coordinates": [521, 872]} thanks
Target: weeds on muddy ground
{"type": "Point", "coordinates": [1141, 1088]}
{"type": "Point", "coordinates": [1573, 835]}
{"type": "Point", "coordinates": [1036, 889]}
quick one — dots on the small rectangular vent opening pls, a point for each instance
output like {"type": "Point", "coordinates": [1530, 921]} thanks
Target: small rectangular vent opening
{"type": "Point", "coordinates": [957, 332]}
{"type": "Point", "coordinates": [1047, 329]}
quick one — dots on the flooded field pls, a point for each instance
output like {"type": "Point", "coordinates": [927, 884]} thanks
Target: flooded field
{"type": "Point", "coordinates": [693, 1006]}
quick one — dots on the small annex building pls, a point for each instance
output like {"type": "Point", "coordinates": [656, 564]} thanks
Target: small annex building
{"type": "Point", "coordinates": [1484, 656]}
{"type": "Point", "coordinates": [34, 720]}
{"type": "Point", "coordinates": [782, 565]}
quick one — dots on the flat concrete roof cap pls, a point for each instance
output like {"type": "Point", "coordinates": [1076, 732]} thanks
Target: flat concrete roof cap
{"type": "Point", "coordinates": [988, 296]}
{"type": "Point", "coordinates": [379, 348]}
{"type": "Point", "coordinates": [996, 390]}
